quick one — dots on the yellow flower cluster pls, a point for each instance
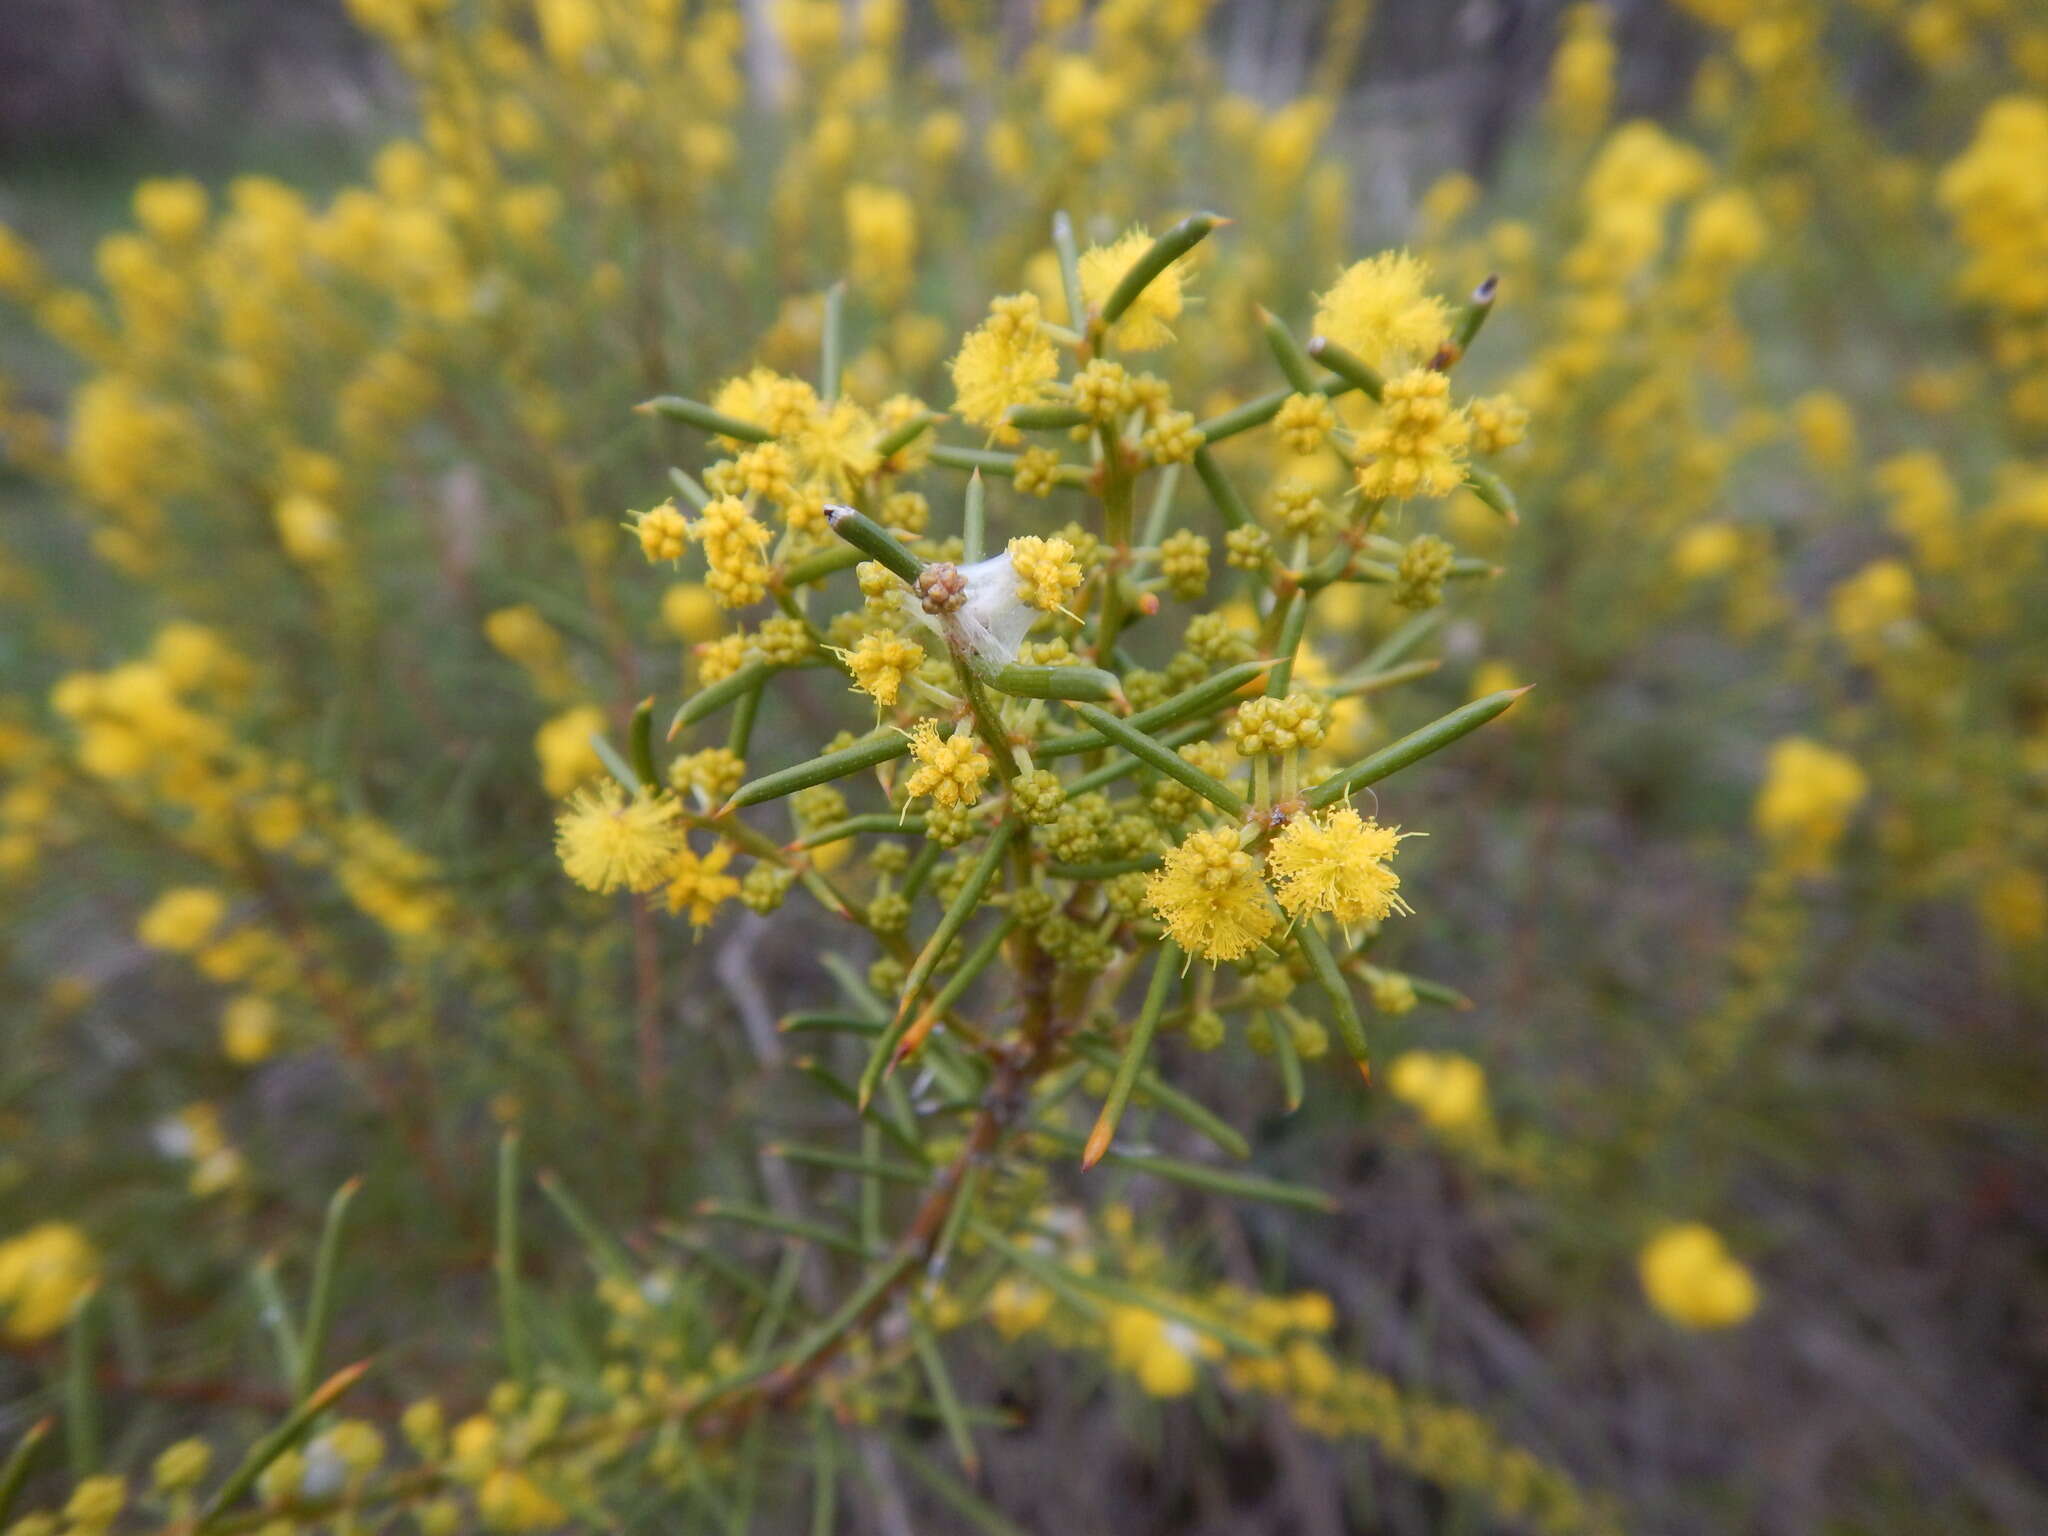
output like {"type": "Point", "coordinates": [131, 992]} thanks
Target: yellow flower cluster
{"type": "Point", "coordinates": [1007, 361]}
{"type": "Point", "coordinates": [1416, 444]}
{"type": "Point", "coordinates": [880, 661]}
{"type": "Point", "coordinates": [1148, 323]}
{"type": "Point", "coordinates": [1690, 1277]}
{"type": "Point", "coordinates": [949, 769]}
{"type": "Point", "coordinates": [1048, 574]}
{"type": "Point", "coordinates": [1337, 862]}
{"type": "Point", "coordinates": [1446, 1089]}
{"type": "Point", "coordinates": [733, 543]}
{"type": "Point", "coordinates": [45, 1272]}
{"type": "Point", "coordinates": [609, 842]}
{"type": "Point", "coordinates": [1808, 795]}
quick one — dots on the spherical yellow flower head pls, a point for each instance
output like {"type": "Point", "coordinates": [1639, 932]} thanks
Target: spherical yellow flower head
{"type": "Point", "coordinates": [1446, 1089]}
{"type": "Point", "coordinates": [1582, 71]}
{"type": "Point", "coordinates": [563, 747]}
{"type": "Point", "coordinates": [880, 661]}
{"type": "Point", "coordinates": [171, 209]}
{"type": "Point", "coordinates": [95, 1504]}
{"type": "Point", "coordinates": [181, 920]}
{"type": "Point", "coordinates": [1498, 423]}
{"type": "Point", "coordinates": [1304, 422]}
{"type": "Point", "coordinates": [308, 529]}
{"type": "Point", "coordinates": [1102, 389]}
{"type": "Point", "coordinates": [1707, 550]}
{"type": "Point", "coordinates": [44, 1273]}
{"type": "Point", "coordinates": [1416, 443]}
{"type": "Point", "coordinates": [2013, 905]}
{"type": "Point", "coordinates": [1048, 571]}
{"type": "Point", "coordinates": [836, 446]}
{"type": "Point", "coordinates": [698, 883]}
{"type": "Point", "coordinates": [733, 542]}
{"type": "Point", "coordinates": [719, 659]}
{"type": "Point", "coordinates": [763, 470]}
{"type": "Point", "coordinates": [1278, 725]}
{"type": "Point", "coordinates": [509, 1500]}
{"type": "Point", "coordinates": [1172, 438]}
{"type": "Point", "coordinates": [1689, 1276]}
{"type": "Point", "coordinates": [1426, 561]}
{"type": "Point", "coordinates": [1925, 507]}
{"type": "Point", "coordinates": [607, 842]}
{"type": "Point", "coordinates": [182, 1466]}
{"type": "Point", "coordinates": [248, 1029]}
{"type": "Point", "coordinates": [1148, 323]}
{"type": "Point", "coordinates": [663, 532]}
{"type": "Point", "coordinates": [1871, 605]}
{"type": "Point", "coordinates": [1808, 796]}
{"type": "Point", "coordinates": [1337, 862]}
{"type": "Point", "coordinates": [690, 611]}
{"type": "Point", "coordinates": [881, 238]}
{"type": "Point", "coordinates": [1209, 895]}
{"type": "Point", "coordinates": [1015, 1307]}
{"type": "Point", "coordinates": [714, 773]}
{"type": "Point", "coordinates": [1160, 1352]}
{"type": "Point", "coordinates": [1007, 360]}
{"type": "Point", "coordinates": [949, 770]}
{"type": "Point", "coordinates": [1381, 309]}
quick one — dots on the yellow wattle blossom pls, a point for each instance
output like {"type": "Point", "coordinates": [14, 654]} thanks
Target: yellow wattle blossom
{"type": "Point", "coordinates": [1925, 507]}
{"type": "Point", "coordinates": [248, 1029]}
{"type": "Point", "coordinates": [1416, 443]}
{"type": "Point", "coordinates": [733, 542]}
{"type": "Point", "coordinates": [1336, 862]}
{"type": "Point", "coordinates": [44, 1273]}
{"type": "Point", "coordinates": [1209, 895]}
{"type": "Point", "coordinates": [1707, 550]}
{"type": "Point", "coordinates": [1689, 1276]}
{"type": "Point", "coordinates": [308, 529]}
{"type": "Point", "coordinates": [607, 842]}
{"type": "Point", "coordinates": [1006, 361]}
{"type": "Point", "coordinates": [690, 612]}
{"type": "Point", "coordinates": [563, 747]}
{"type": "Point", "coordinates": [1305, 422]}
{"type": "Point", "coordinates": [835, 447]}
{"type": "Point", "coordinates": [1382, 310]}
{"type": "Point", "coordinates": [1808, 795]}
{"type": "Point", "coordinates": [1448, 1090]}
{"type": "Point", "coordinates": [663, 531]}
{"type": "Point", "coordinates": [509, 1500]}
{"type": "Point", "coordinates": [881, 237]}
{"type": "Point", "coordinates": [949, 770]}
{"type": "Point", "coordinates": [698, 883]}
{"type": "Point", "coordinates": [1162, 1353]}
{"type": "Point", "coordinates": [2013, 906]}
{"type": "Point", "coordinates": [1499, 422]}
{"type": "Point", "coordinates": [181, 1466]}
{"type": "Point", "coordinates": [95, 1504]}
{"type": "Point", "coordinates": [181, 920]}
{"type": "Point", "coordinates": [1148, 323]}
{"type": "Point", "coordinates": [1015, 1306]}
{"type": "Point", "coordinates": [1872, 605]}
{"type": "Point", "coordinates": [1048, 571]}
{"type": "Point", "coordinates": [1582, 71]}
{"type": "Point", "coordinates": [1826, 428]}
{"type": "Point", "coordinates": [880, 661]}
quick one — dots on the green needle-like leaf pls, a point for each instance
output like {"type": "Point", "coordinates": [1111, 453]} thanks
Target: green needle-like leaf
{"type": "Point", "coordinates": [1412, 748]}
{"type": "Point", "coordinates": [700, 415]}
{"type": "Point", "coordinates": [1164, 970]}
{"type": "Point", "coordinates": [881, 748]}
{"type": "Point", "coordinates": [1167, 761]}
{"type": "Point", "coordinates": [320, 1305]}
